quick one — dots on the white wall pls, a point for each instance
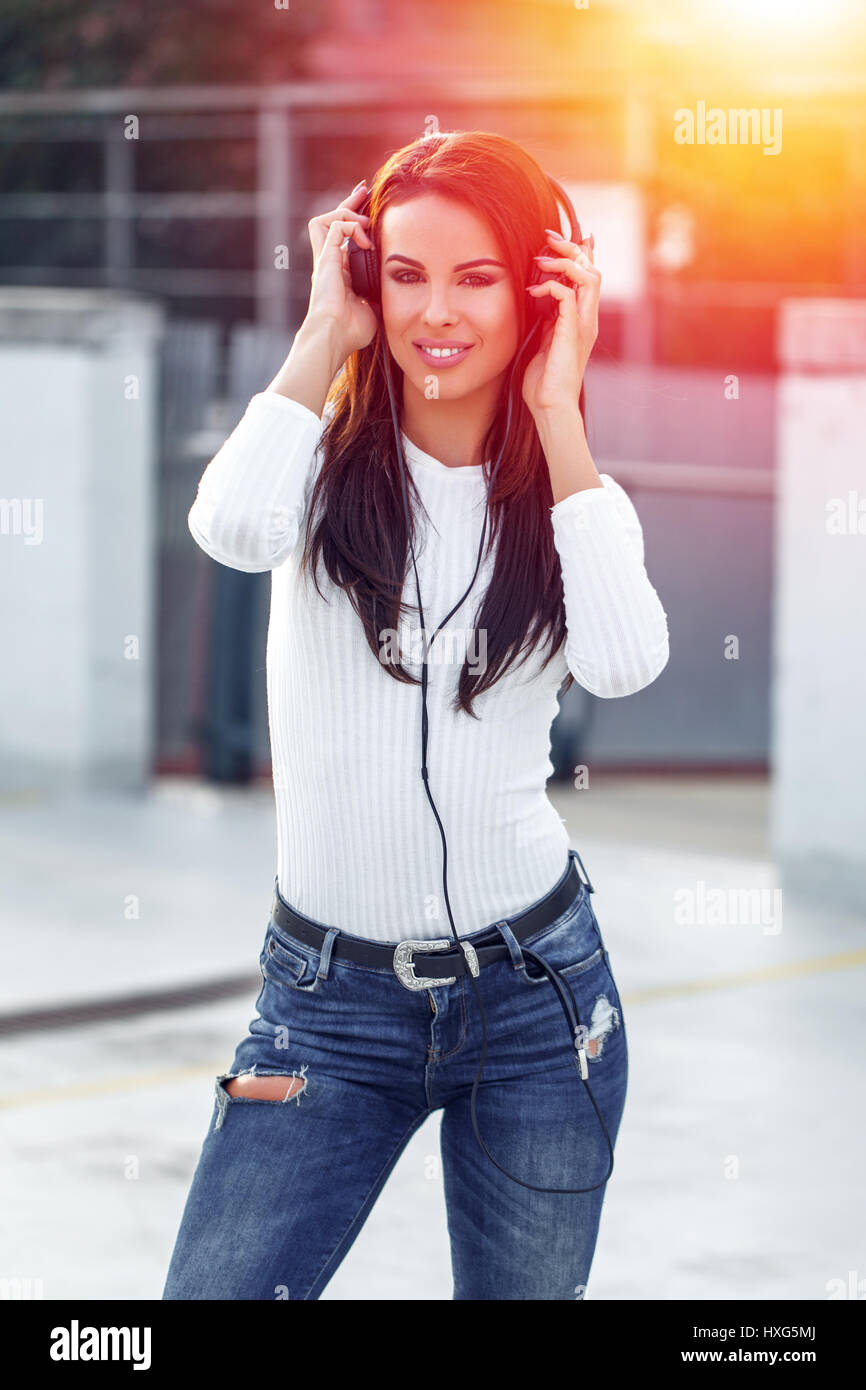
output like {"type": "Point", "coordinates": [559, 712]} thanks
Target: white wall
{"type": "Point", "coordinates": [819, 656]}
{"type": "Point", "coordinates": [73, 710]}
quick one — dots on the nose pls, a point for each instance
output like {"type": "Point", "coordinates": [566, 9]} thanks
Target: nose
{"type": "Point", "coordinates": [437, 309]}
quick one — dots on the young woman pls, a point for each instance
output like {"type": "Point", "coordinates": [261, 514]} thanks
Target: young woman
{"type": "Point", "coordinates": [372, 1015]}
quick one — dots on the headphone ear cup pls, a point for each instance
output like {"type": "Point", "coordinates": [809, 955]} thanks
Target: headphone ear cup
{"type": "Point", "coordinates": [545, 306]}
{"type": "Point", "coordinates": [364, 272]}
{"type": "Point", "coordinates": [364, 268]}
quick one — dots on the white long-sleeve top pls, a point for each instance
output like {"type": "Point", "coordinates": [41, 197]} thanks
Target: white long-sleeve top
{"type": "Point", "coordinates": [358, 846]}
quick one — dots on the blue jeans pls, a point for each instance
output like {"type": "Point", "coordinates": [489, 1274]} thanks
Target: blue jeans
{"type": "Point", "coordinates": [283, 1187]}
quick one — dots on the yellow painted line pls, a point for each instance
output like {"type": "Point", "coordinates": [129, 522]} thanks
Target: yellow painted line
{"type": "Point", "coordinates": [105, 1085]}
{"type": "Point", "coordinates": [786, 970]}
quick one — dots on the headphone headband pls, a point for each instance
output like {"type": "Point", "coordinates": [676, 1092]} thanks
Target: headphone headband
{"type": "Point", "coordinates": [567, 204]}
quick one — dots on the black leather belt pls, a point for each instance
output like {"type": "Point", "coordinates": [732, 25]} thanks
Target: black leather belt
{"type": "Point", "coordinates": [443, 960]}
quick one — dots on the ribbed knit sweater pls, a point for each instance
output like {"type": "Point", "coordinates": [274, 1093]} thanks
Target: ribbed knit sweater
{"type": "Point", "coordinates": [357, 845]}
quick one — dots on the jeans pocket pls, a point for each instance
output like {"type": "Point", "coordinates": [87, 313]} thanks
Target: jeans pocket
{"type": "Point", "coordinates": [588, 963]}
{"type": "Point", "coordinates": [570, 946]}
{"type": "Point", "coordinates": [293, 966]}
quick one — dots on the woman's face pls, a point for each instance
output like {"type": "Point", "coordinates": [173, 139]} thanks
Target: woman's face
{"type": "Point", "coordinates": [432, 299]}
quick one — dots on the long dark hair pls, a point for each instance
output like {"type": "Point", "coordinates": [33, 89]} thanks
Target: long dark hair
{"type": "Point", "coordinates": [356, 523]}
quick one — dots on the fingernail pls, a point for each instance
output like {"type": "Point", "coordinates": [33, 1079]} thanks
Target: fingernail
{"type": "Point", "coordinates": [558, 235]}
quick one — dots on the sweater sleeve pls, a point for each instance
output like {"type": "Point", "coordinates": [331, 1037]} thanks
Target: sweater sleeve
{"type": "Point", "coordinates": [617, 630]}
{"type": "Point", "coordinates": [253, 495]}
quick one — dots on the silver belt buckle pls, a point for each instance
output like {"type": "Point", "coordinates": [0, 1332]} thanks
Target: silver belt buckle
{"type": "Point", "coordinates": [404, 967]}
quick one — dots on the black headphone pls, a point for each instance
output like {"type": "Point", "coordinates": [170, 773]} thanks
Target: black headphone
{"type": "Point", "coordinates": [366, 284]}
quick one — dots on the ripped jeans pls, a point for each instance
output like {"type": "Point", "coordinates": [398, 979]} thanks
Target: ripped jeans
{"type": "Point", "coordinates": [283, 1187]}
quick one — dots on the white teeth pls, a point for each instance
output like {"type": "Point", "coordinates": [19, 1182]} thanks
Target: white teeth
{"type": "Point", "coordinates": [443, 352]}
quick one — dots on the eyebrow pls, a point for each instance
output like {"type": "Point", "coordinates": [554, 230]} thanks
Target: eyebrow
{"type": "Point", "coordinates": [464, 265]}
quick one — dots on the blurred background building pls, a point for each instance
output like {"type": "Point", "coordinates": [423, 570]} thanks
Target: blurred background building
{"type": "Point", "coordinates": [158, 175]}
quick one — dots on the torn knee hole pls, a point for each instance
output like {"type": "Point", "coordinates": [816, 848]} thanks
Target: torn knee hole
{"type": "Point", "coordinates": [279, 1088]}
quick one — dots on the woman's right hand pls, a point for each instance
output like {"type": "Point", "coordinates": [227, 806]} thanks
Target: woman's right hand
{"type": "Point", "coordinates": [332, 300]}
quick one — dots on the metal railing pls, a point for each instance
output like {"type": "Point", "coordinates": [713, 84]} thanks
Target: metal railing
{"type": "Point", "coordinates": [277, 120]}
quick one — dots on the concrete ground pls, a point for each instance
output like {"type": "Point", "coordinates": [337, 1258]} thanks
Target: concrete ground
{"type": "Point", "coordinates": [739, 1171]}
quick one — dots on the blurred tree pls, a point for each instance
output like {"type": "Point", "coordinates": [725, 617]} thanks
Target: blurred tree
{"type": "Point", "coordinates": [50, 44]}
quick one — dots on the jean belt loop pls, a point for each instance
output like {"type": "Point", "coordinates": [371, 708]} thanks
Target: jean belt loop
{"type": "Point", "coordinates": [513, 945]}
{"type": "Point", "coordinates": [327, 948]}
{"type": "Point", "coordinates": [574, 855]}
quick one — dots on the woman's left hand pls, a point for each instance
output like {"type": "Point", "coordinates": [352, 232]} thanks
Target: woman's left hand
{"type": "Point", "coordinates": [554, 375]}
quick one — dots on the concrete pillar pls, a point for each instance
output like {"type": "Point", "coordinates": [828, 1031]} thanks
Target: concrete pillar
{"type": "Point", "coordinates": [819, 637]}
{"type": "Point", "coordinates": [79, 407]}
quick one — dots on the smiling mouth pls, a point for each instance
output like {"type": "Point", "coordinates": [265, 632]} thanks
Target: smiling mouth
{"type": "Point", "coordinates": [441, 354]}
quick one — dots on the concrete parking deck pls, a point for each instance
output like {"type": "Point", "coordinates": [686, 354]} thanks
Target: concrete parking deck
{"type": "Point", "coordinates": [739, 1169]}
